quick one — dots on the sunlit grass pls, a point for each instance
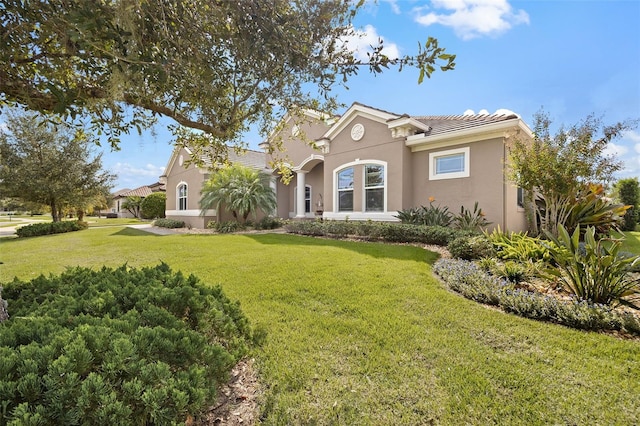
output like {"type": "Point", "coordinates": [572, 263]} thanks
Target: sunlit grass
{"type": "Point", "coordinates": [631, 242]}
{"type": "Point", "coordinates": [95, 221]}
{"type": "Point", "coordinates": [362, 333]}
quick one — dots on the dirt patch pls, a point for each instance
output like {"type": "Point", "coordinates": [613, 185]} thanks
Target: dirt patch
{"type": "Point", "coordinates": [237, 401]}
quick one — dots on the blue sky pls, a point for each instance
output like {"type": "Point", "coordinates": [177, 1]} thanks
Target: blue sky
{"type": "Point", "coordinates": [572, 58]}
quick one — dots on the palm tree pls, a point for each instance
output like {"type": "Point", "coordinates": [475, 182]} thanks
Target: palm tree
{"type": "Point", "coordinates": [240, 189]}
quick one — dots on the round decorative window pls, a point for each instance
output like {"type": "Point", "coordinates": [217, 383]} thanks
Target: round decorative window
{"type": "Point", "coordinates": [357, 132]}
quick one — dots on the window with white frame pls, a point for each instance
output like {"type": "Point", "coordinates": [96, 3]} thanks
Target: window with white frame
{"type": "Point", "coordinates": [182, 196]}
{"type": "Point", "coordinates": [374, 187]}
{"type": "Point", "coordinates": [307, 198]}
{"type": "Point", "coordinates": [449, 164]}
{"type": "Point", "coordinates": [345, 190]}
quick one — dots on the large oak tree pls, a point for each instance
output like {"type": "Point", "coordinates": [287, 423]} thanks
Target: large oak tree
{"type": "Point", "coordinates": [216, 66]}
{"type": "Point", "coordinates": [50, 164]}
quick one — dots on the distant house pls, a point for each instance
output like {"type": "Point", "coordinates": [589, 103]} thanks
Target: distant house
{"type": "Point", "coordinates": [370, 164]}
{"type": "Point", "coordinates": [119, 197]}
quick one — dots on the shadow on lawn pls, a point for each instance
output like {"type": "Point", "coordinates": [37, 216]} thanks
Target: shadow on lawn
{"type": "Point", "coordinates": [374, 249]}
{"type": "Point", "coordinates": [133, 232]}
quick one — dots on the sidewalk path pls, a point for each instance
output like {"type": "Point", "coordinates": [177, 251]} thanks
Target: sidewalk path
{"type": "Point", "coordinates": [10, 231]}
{"type": "Point", "coordinates": [147, 227]}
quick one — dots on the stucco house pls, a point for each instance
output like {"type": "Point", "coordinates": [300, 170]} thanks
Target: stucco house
{"type": "Point", "coordinates": [370, 164]}
{"type": "Point", "coordinates": [184, 182]}
{"type": "Point", "coordinates": [119, 197]}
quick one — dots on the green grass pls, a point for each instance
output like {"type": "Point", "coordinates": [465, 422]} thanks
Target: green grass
{"type": "Point", "coordinates": [631, 242]}
{"type": "Point", "coordinates": [362, 333]}
{"type": "Point", "coordinates": [103, 221]}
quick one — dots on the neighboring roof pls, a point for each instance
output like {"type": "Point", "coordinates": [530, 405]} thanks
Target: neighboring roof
{"type": "Point", "coordinates": [451, 123]}
{"type": "Point", "coordinates": [120, 192]}
{"type": "Point", "coordinates": [142, 191]}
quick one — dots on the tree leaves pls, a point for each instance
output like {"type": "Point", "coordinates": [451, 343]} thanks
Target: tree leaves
{"type": "Point", "coordinates": [214, 66]}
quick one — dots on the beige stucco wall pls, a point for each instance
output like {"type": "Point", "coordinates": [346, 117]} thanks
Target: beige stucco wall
{"type": "Point", "coordinates": [377, 145]}
{"type": "Point", "coordinates": [194, 177]}
{"type": "Point", "coordinates": [487, 184]}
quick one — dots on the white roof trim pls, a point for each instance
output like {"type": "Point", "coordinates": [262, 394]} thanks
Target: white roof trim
{"type": "Point", "coordinates": [354, 111]}
{"type": "Point", "coordinates": [422, 142]}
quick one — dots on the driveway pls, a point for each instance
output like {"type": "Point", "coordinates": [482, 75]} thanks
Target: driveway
{"type": "Point", "coordinates": [16, 222]}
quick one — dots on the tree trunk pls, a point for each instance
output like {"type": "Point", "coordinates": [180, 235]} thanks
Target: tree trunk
{"type": "Point", "coordinates": [80, 214]}
{"type": "Point", "coordinates": [55, 213]}
{"type": "Point", "coordinates": [4, 313]}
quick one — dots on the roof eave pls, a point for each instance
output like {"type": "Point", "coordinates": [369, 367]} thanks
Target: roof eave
{"type": "Point", "coordinates": [421, 142]}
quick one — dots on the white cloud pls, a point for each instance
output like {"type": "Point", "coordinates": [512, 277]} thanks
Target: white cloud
{"type": "Point", "coordinates": [631, 136]}
{"type": "Point", "coordinates": [473, 18]}
{"type": "Point", "coordinates": [362, 41]}
{"type": "Point", "coordinates": [135, 176]}
{"type": "Point", "coordinates": [616, 150]}
{"type": "Point", "coordinates": [394, 6]}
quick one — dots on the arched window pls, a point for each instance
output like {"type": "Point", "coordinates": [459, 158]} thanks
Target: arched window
{"type": "Point", "coordinates": [182, 196]}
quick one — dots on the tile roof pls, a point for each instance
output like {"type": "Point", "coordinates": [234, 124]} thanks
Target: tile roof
{"type": "Point", "coordinates": [249, 158]}
{"type": "Point", "coordinates": [450, 123]}
{"type": "Point", "coordinates": [142, 191]}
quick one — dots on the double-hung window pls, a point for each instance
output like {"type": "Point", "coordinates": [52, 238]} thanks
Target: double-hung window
{"type": "Point", "coordinates": [182, 196]}
{"type": "Point", "coordinates": [374, 187]}
{"type": "Point", "coordinates": [449, 164]}
{"type": "Point", "coordinates": [345, 190]}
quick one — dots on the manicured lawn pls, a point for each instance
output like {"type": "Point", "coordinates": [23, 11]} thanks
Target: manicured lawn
{"type": "Point", "coordinates": [361, 333]}
{"type": "Point", "coordinates": [631, 242]}
{"type": "Point", "coordinates": [94, 221]}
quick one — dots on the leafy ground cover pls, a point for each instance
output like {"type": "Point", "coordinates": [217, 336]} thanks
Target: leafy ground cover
{"type": "Point", "coordinates": [362, 333]}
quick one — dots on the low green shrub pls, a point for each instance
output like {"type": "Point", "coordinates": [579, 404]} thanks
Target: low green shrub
{"type": "Point", "coordinates": [116, 346]}
{"type": "Point", "coordinates": [519, 246]}
{"type": "Point", "coordinates": [37, 229]}
{"type": "Point", "coordinates": [227, 227]}
{"type": "Point", "coordinates": [153, 206]}
{"type": "Point", "coordinates": [169, 223]}
{"type": "Point", "coordinates": [378, 231]}
{"type": "Point", "coordinates": [471, 220]}
{"type": "Point", "coordinates": [427, 216]}
{"type": "Point", "coordinates": [269, 222]}
{"type": "Point", "coordinates": [471, 281]}
{"type": "Point", "coordinates": [470, 247]}
{"type": "Point", "coordinates": [305, 227]}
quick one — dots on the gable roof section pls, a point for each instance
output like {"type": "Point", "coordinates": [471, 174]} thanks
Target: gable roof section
{"type": "Point", "coordinates": [358, 109]}
{"type": "Point", "coordinates": [249, 158]}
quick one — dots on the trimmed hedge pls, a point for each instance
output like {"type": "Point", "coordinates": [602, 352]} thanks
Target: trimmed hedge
{"type": "Point", "coordinates": [153, 206]}
{"type": "Point", "coordinates": [473, 283]}
{"type": "Point", "coordinates": [169, 223]}
{"type": "Point", "coordinates": [377, 231]}
{"type": "Point", "coordinates": [37, 229]}
{"type": "Point", "coordinates": [116, 346]}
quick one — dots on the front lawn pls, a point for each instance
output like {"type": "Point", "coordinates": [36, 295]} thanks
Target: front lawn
{"type": "Point", "coordinates": [362, 333]}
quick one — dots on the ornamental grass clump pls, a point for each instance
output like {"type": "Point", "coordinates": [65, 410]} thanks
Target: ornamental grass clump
{"type": "Point", "coordinates": [116, 346]}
